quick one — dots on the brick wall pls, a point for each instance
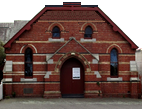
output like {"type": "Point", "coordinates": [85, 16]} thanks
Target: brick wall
{"type": "Point", "coordinates": [71, 25]}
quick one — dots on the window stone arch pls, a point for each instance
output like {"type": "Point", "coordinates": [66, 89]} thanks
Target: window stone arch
{"type": "Point", "coordinates": [93, 26]}
{"type": "Point", "coordinates": [114, 46]}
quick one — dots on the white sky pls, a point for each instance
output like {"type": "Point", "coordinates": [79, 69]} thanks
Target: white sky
{"type": "Point", "coordinates": [126, 14]}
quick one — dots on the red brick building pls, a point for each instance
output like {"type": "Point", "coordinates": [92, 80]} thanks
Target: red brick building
{"type": "Point", "coordinates": [71, 50]}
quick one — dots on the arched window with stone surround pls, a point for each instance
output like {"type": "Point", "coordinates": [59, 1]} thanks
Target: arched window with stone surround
{"type": "Point", "coordinates": [88, 32]}
{"type": "Point", "coordinates": [56, 32]}
{"type": "Point", "coordinates": [114, 62]}
{"type": "Point", "coordinates": [28, 62]}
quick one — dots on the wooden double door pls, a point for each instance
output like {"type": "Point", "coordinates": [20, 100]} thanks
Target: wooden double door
{"type": "Point", "coordinates": [72, 78]}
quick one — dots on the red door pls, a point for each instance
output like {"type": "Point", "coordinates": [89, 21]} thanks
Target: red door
{"type": "Point", "coordinates": [72, 78]}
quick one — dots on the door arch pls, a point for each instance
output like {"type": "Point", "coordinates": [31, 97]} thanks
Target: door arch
{"type": "Point", "coordinates": [72, 78]}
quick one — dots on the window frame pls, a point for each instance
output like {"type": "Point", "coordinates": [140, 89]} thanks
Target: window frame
{"type": "Point", "coordinates": [88, 34]}
{"type": "Point", "coordinates": [55, 32]}
{"type": "Point", "coordinates": [114, 62]}
{"type": "Point", "coordinates": [27, 63]}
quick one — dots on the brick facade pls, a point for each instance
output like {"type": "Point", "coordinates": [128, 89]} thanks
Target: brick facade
{"type": "Point", "coordinates": [49, 54]}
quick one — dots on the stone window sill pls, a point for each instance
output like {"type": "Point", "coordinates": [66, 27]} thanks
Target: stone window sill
{"type": "Point", "coordinates": [114, 79]}
{"type": "Point", "coordinates": [56, 40]}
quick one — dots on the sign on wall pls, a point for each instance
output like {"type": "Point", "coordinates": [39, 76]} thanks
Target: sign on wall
{"type": "Point", "coordinates": [75, 73]}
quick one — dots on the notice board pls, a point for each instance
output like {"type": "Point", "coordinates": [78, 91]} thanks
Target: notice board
{"type": "Point", "coordinates": [75, 73]}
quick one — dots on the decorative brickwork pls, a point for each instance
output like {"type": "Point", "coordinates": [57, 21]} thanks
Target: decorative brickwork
{"type": "Point", "coordinates": [88, 24]}
{"type": "Point", "coordinates": [50, 54]}
{"type": "Point", "coordinates": [80, 57]}
{"type": "Point", "coordinates": [53, 25]}
{"type": "Point", "coordinates": [114, 46]}
{"type": "Point", "coordinates": [22, 50]}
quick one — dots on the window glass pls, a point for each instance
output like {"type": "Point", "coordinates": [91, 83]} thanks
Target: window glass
{"type": "Point", "coordinates": [56, 32]}
{"type": "Point", "coordinates": [114, 62]}
{"type": "Point", "coordinates": [88, 32]}
{"type": "Point", "coordinates": [28, 62]}
{"type": "Point", "coordinates": [28, 69]}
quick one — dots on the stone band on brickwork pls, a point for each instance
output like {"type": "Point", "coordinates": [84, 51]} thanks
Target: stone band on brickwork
{"type": "Point", "coordinates": [134, 79]}
{"type": "Point", "coordinates": [7, 80]}
{"type": "Point", "coordinates": [114, 79]}
{"type": "Point", "coordinates": [28, 79]}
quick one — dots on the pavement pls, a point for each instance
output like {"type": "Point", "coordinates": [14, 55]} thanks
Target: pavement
{"type": "Point", "coordinates": [71, 103]}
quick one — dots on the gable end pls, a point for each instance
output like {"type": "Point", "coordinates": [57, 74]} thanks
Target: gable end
{"type": "Point", "coordinates": [75, 6]}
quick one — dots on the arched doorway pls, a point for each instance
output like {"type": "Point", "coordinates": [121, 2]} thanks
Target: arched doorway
{"type": "Point", "coordinates": [72, 78]}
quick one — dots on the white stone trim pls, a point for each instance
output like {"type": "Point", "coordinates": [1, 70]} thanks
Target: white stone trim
{"type": "Point", "coordinates": [72, 53]}
{"type": "Point", "coordinates": [48, 56]}
{"type": "Point", "coordinates": [88, 23]}
{"type": "Point", "coordinates": [94, 92]}
{"type": "Point", "coordinates": [114, 45]}
{"type": "Point", "coordinates": [47, 74]}
{"type": "Point", "coordinates": [114, 79]}
{"type": "Point", "coordinates": [18, 62]}
{"type": "Point", "coordinates": [87, 40]}
{"type": "Point", "coordinates": [39, 62]}
{"type": "Point", "coordinates": [94, 61]}
{"type": "Point", "coordinates": [39, 72]}
{"type": "Point", "coordinates": [70, 38]}
{"type": "Point", "coordinates": [28, 79]}
{"type": "Point", "coordinates": [50, 92]}
{"type": "Point", "coordinates": [56, 40]}
{"type": "Point", "coordinates": [8, 66]}
{"type": "Point", "coordinates": [134, 79]}
{"type": "Point", "coordinates": [39, 54]}
{"type": "Point", "coordinates": [14, 54]}
{"type": "Point", "coordinates": [30, 45]}
{"type": "Point", "coordinates": [50, 61]}
{"type": "Point", "coordinates": [23, 74]}
{"type": "Point", "coordinates": [56, 23]}
{"type": "Point", "coordinates": [96, 56]}
{"type": "Point", "coordinates": [23, 54]}
{"type": "Point", "coordinates": [33, 47]}
{"type": "Point", "coordinates": [26, 82]}
{"type": "Point", "coordinates": [33, 62]}
{"type": "Point", "coordinates": [133, 66]}
{"type": "Point", "coordinates": [22, 49]}
{"type": "Point", "coordinates": [97, 74]}
{"type": "Point", "coordinates": [7, 80]}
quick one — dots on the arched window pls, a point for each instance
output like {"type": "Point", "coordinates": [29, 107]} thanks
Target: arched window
{"type": "Point", "coordinates": [114, 62]}
{"type": "Point", "coordinates": [56, 32]}
{"type": "Point", "coordinates": [88, 32]}
{"type": "Point", "coordinates": [28, 62]}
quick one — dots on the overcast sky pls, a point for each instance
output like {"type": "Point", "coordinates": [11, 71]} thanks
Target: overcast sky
{"type": "Point", "coordinates": [126, 14]}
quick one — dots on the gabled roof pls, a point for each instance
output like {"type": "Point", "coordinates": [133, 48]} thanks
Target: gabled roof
{"type": "Point", "coordinates": [70, 6]}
